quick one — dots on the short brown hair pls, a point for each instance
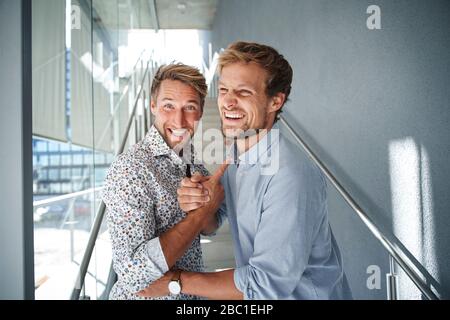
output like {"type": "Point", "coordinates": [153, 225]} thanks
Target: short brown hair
{"type": "Point", "coordinates": [184, 73]}
{"type": "Point", "coordinates": [279, 71]}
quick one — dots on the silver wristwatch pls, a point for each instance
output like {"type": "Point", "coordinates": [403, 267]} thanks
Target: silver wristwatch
{"type": "Point", "coordinates": [175, 283]}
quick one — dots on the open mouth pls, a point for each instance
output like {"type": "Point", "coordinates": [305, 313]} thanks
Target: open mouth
{"type": "Point", "coordinates": [178, 133]}
{"type": "Point", "coordinates": [233, 116]}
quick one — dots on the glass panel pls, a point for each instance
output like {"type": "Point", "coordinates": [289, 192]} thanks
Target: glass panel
{"type": "Point", "coordinates": [66, 159]}
{"type": "Point", "coordinates": [65, 174]}
{"type": "Point", "coordinates": [48, 56]}
{"type": "Point", "coordinates": [53, 174]}
{"type": "Point", "coordinates": [76, 173]}
{"type": "Point", "coordinates": [99, 159]}
{"type": "Point", "coordinates": [64, 147]}
{"type": "Point", "coordinates": [42, 174]}
{"type": "Point", "coordinates": [55, 160]}
{"type": "Point", "coordinates": [62, 226]}
{"type": "Point", "coordinates": [41, 146]}
{"type": "Point", "coordinates": [42, 159]}
{"type": "Point", "coordinates": [53, 146]}
{"type": "Point", "coordinates": [73, 149]}
{"type": "Point", "coordinates": [78, 159]}
{"type": "Point", "coordinates": [105, 95]}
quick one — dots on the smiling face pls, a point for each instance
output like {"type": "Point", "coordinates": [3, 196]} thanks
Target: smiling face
{"type": "Point", "coordinates": [243, 102]}
{"type": "Point", "coordinates": [177, 111]}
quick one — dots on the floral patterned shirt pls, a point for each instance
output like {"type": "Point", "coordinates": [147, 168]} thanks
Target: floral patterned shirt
{"type": "Point", "coordinates": [140, 194]}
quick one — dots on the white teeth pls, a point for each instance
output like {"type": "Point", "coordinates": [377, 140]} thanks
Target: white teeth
{"type": "Point", "coordinates": [233, 115]}
{"type": "Point", "coordinates": [179, 132]}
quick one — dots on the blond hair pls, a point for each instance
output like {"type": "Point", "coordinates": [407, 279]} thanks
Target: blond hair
{"type": "Point", "coordinates": [184, 73]}
{"type": "Point", "coordinates": [279, 71]}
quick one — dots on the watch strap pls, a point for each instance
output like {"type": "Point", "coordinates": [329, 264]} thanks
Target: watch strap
{"type": "Point", "coordinates": [176, 275]}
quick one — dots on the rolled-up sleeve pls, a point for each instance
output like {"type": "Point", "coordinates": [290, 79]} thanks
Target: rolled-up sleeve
{"type": "Point", "coordinates": [292, 208]}
{"type": "Point", "coordinates": [138, 258]}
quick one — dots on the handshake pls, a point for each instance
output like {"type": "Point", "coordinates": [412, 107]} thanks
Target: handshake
{"type": "Point", "coordinates": [203, 195]}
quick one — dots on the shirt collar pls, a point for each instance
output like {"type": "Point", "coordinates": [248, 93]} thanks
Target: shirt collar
{"type": "Point", "coordinates": [156, 143]}
{"type": "Point", "coordinates": [159, 147]}
{"type": "Point", "coordinates": [259, 151]}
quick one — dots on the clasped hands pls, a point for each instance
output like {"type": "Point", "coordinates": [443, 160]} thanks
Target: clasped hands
{"type": "Point", "coordinates": [196, 195]}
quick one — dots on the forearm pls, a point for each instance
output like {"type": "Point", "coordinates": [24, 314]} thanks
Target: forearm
{"type": "Point", "coordinates": [175, 241]}
{"type": "Point", "coordinates": [214, 285]}
{"type": "Point", "coordinates": [211, 225]}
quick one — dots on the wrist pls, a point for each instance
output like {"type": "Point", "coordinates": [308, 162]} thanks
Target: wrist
{"type": "Point", "coordinates": [184, 279]}
{"type": "Point", "coordinates": [211, 225]}
{"type": "Point", "coordinates": [198, 217]}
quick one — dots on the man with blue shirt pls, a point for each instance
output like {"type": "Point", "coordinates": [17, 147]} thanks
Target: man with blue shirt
{"type": "Point", "coordinates": [275, 197]}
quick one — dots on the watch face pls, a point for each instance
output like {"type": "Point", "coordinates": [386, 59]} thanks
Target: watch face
{"type": "Point", "coordinates": [174, 287]}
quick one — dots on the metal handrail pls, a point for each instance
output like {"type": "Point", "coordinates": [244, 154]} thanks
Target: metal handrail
{"type": "Point", "coordinates": [40, 203]}
{"type": "Point", "coordinates": [101, 210]}
{"type": "Point", "coordinates": [396, 253]}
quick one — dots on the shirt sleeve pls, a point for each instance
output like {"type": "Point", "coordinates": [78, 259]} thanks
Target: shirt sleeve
{"type": "Point", "coordinates": [138, 258]}
{"type": "Point", "coordinates": [293, 205]}
{"type": "Point", "coordinates": [221, 214]}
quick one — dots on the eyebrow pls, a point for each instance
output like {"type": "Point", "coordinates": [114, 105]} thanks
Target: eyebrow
{"type": "Point", "coordinates": [240, 86]}
{"type": "Point", "coordinates": [189, 101]}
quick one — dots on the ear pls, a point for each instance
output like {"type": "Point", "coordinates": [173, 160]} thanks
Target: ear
{"type": "Point", "coordinates": [276, 102]}
{"type": "Point", "coordinates": [153, 107]}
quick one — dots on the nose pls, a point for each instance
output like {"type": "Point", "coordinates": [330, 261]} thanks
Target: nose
{"type": "Point", "coordinates": [229, 100]}
{"type": "Point", "coordinates": [179, 119]}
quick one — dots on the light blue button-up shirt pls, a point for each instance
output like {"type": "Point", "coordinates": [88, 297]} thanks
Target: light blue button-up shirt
{"type": "Point", "coordinates": [276, 204]}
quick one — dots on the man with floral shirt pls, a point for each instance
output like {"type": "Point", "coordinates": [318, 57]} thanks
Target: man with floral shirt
{"type": "Point", "coordinates": [150, 234]}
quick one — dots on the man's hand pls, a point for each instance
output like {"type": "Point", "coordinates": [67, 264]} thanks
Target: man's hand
{"type": "Point", "coordinates": [175, 241]}
{"type": "Point", "coordinates": [158, 288]}
{"type": "Point", "coordinates": [192, 194]}
{"type": "Point", "coordinates": [199, 191]}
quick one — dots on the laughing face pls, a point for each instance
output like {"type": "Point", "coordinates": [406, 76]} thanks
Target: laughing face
{"type": "Point", "coordinates": [177, 111]}
{"type": "Point", "coordinates": [243, 102]}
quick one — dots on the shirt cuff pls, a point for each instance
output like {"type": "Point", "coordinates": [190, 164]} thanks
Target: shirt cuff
{"type": "Point", "coordinates": [241, 281]}
{"type": "Point", "coordinates": [156, 255]}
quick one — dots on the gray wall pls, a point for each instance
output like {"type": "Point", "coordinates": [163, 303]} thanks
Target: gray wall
{"type": "Point", "coordinates": [16, 193]}
{"type": "Point", "coordinates": [374, 105]}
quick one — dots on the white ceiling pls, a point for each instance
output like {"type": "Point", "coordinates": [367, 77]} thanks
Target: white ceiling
{"type": "Point", "coordinates": [171, 14]}
{"type": "Point", "coordinates": [188, 14]}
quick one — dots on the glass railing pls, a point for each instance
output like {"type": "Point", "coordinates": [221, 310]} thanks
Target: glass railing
{"type": "Point", "coordinates": [84, 90]}
{"type": "Point", "coordinates": [62, 227]}
{"type": "Point", "coordinates": [64, 223]}
{"type": "Point", "coordinates": [86, 285]}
